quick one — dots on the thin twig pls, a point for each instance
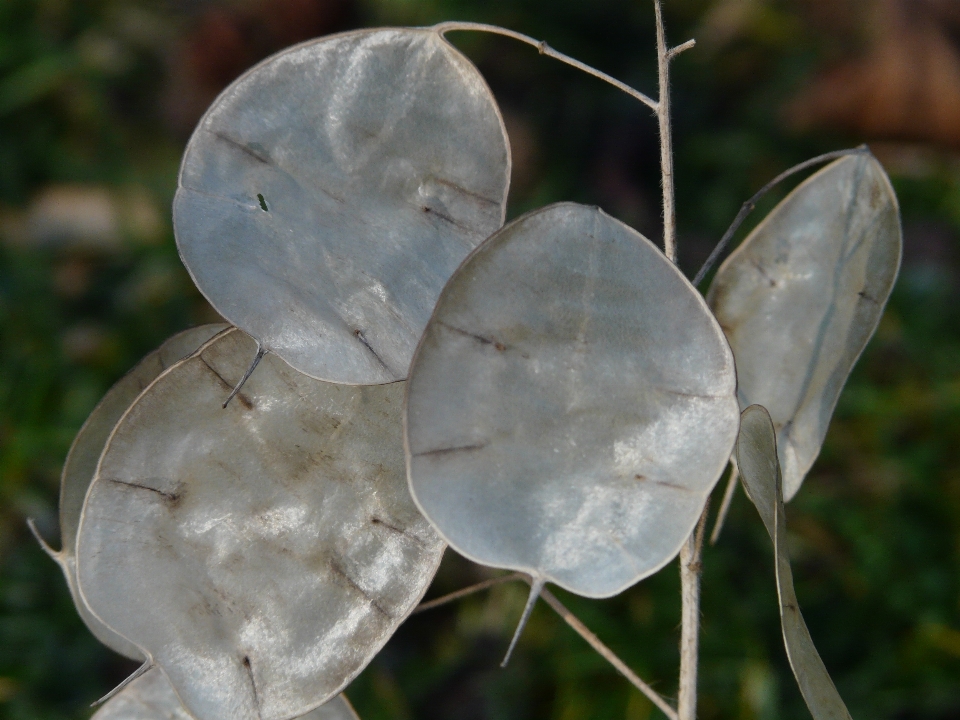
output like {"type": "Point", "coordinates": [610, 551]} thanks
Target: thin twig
{"type": "Point", "coordinates": [147, 665]}
{"type": "Point", "coordinates": [608, 654]}
{"type": "Point", "coordinates": [690, 567]}
{"type": "Point", "coordinates": [536, 586]}
{"type": "Point", "coordinates": [571, 620]}
{"type": "Point", "coordinates": [666, 142]}
{"type": "Point", "coordinates": [682, 47]}
{"type": "Point", "coordinates": [437, 602]}
{"type": "Point", "coordinates": [261, 351]}
{"type": "Point", "coordinates": [57, 557]}
{"type": "Point", "coordinates": [549, 52]}
{"type": "Point", "coordinates": [750, 204]}
{"type": "Point", "coordinates": [725, 504]}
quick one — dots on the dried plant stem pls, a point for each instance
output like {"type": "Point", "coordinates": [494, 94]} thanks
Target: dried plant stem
{"type": "Point", "coordinates": [261, 351]}
{"type": "Point", "coordinates": [147, 665]}
{"type": "Point", "coordinates": [691, 551]}
{"type": "Point", "coordinates": [666, 141]}
{"type": "Point", "coordinates": [725, 504]}
{"type": "Point", "coordinates": [549, 52]}
{"type": "Point", "coordinates": [57, 557]}
{"type": "Point", "coordinates": [536, 587]}
{"type": "Point", "coordinates": [661, 107]}
{"type": "Point", "coordinates": [571, 620]}
{"type": "Point", "coordinates": [607, 654]}
{"type": "Point", "coordinates": [470, 590]}
{"type": "Point", "coordinates": [690, 567]}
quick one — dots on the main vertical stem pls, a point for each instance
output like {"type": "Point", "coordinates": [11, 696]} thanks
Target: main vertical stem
{"type": "Point", "coordinates": [666, 142]}
{"type": "Point", "coordinates": [690, 555]}
{"type": "Point", "coordinates": [692, 549]}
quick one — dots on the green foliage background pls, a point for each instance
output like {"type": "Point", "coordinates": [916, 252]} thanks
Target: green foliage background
{"type": "Point", "coordinates": [875, 532]}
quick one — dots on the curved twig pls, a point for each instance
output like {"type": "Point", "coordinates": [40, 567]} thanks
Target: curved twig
{"type": "Point", "coordinates": [147, 665]}
{"type": "Point", "coordinates": [545, 49]}
{"type": "Point", "coordinates": [750, 204]}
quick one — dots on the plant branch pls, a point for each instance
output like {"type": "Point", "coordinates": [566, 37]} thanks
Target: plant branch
{"type": "Point", "coordinates": [750, 204]}
{"type": "Point", "coordinates": [549, 52]}
{"type": "Point", "coordinates": [682, 47]}
{"type": "Point", "coordinates": [608, 654]}
{"type": "Point", "coordinates": [690, 567]}
{"type": "Point", "coordinates": [725, 504]}
{"type": "Point", "coordinates": [437, 602]}
{"type": "Point", "coordinates": [57, 557]}
{"type": "Point", "coordinates": [664, 55]}
{"type": "Point", "coordinates": [571, 620]}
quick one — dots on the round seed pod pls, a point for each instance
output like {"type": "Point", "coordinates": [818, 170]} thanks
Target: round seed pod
{"type": "Point", "coordinates": [571, 404]}
{"type": "Point", "coordinates": [81, 463]}
{"type": "Point", "coordinates": [262, 553]}
{"type": "Point", "coordinates": [328, 194]}
{"type": "Point", "coordinates": [802, 295]}
{"type": "Point", "coordinates": [152, 697]}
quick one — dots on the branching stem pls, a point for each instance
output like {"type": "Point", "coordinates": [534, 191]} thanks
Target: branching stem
{"type": "Point", "coordinates": [661, 107]}
{"type": "Point", "coordinates": [574, 622]}
{"type": "Point", "coordinates": [549, 52]}
{"type": "Point", "coordinates": [690, 567]}
{"type": "Point", "coordinates": [664, 55]}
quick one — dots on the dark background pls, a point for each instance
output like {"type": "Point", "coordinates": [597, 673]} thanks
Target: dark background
{"type": "Point", "coordinates": [96, 101]}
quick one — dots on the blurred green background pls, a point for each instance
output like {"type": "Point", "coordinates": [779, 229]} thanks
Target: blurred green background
{"type": "Point", "coordinates": [97, 99]}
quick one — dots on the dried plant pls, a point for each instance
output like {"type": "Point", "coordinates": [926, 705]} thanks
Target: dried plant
{"type": "Point", "coordinates": [551, 397]}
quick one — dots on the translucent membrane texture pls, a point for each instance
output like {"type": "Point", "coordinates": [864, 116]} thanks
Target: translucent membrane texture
{"type": "Point", "coordinates": [151, 697]}
{"type": "Point", "coordinates": [571, 404]}
{"type": "Point", "coordinates": [81, 463]}
{"type": "Point", "coordinates": [259, 554]}
{"type": "Point", "coordinates": [760, 473]}
{"type": "Point", "coordinates": [801, 296]}
{"type": "Point", "coordinates": [329, 193]}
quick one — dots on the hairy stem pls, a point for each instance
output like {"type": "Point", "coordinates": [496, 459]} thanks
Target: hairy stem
{"type": "Point", "coordinates": [607, 654]}
{"type": "Point", "coordinates": [666, 141]}
{"type": "Point", "coordinates": [574, 622]}
{"type": "Point", "coordinates": [549, 52]}
{"type": "Point", "coordinates": [690, 555]}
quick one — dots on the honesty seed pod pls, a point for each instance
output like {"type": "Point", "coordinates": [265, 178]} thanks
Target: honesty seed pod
{"type": "Point", "coordinates": [81, 464]}
{"type": "Point", "coordinates": [328, 194]}
{"type": "Point", "coordinates": [151, 697]}
{"type": "Point", "coordinates": [571, 404]}
{"type": "Point", "coordinates": [260, 554]}
{"type": "Point", "coordinates": [760, 472]}
{"type": "Point", "coordinates": [800, 298]}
